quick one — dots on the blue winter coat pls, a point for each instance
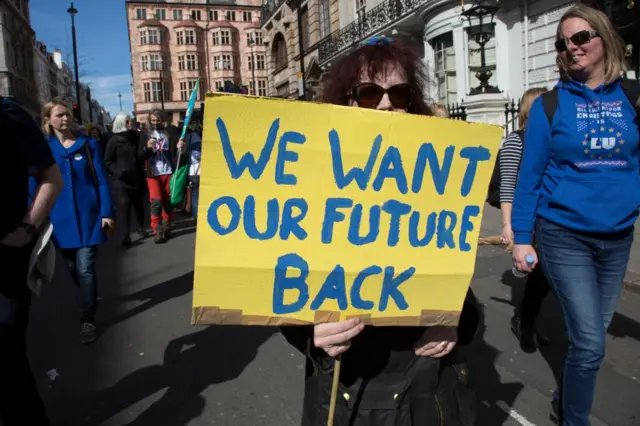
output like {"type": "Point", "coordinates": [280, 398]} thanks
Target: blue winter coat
{"type": "Point", "coordinates": [85, 199]}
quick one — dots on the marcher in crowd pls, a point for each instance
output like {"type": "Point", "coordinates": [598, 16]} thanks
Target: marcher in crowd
{"type": "Point", "coordinates": [161, 154]}
{"type": "Point", "coordinates": [83, 214]}
{"type": "Point", "coordinates": [97, 135]}
{"type": "Point", "coordinates": [401, 368]}
{"type": "Point", "coordinates": [579, 191]}
{"type": "Point", "coordinates": [194, 144]}
{"type": "Point", "coordinates": [25, 154]}
{"type": "Point", "coordinates": [125, 162]}
{"type": "Point", "coordinates": [537, 286]}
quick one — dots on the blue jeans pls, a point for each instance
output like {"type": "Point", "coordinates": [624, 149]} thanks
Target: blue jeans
{"type": "Point", "coordinates": [195, 192]}
{"type": "Point", "coordinates": [586, 271]}
{"type": "Point", "coordinates": [82, 266]}
{"type": "Point", "coordinates": [20, 402]}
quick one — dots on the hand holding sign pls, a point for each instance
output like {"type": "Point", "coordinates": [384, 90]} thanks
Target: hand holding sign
{"type": "Point", "coordinates": [317, 213]}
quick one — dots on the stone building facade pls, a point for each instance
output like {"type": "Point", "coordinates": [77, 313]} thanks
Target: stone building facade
{"type": "Point", "coordinates": [175, 42]}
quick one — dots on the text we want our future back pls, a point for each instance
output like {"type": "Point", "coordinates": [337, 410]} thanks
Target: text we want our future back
{"type": "Point", "coordinates": [287, 219]}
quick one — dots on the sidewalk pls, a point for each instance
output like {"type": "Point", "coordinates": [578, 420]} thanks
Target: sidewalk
{"type": "Point", "coordinates": [491, 226]}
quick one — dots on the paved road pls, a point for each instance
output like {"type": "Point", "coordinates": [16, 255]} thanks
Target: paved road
{"type": "Point", "coordinates": [151, 367]}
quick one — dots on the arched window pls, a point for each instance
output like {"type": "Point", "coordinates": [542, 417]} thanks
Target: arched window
{"type": "Point", "coordinates": [279, 51]}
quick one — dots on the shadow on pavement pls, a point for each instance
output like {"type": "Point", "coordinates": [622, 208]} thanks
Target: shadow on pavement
{"type": "Point", "coordinates": [150, 297]}
{"type": "Point", "coordinates": [486, 380]}
{"type": "Point", "coordinates": [191, 364]}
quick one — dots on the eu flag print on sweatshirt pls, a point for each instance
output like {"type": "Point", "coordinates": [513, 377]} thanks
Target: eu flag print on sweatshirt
{"type": "Point", "coordinates": [582, 171]}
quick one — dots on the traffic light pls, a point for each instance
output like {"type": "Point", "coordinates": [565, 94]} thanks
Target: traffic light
{"type": "Point", "coordinates": [76, 114]}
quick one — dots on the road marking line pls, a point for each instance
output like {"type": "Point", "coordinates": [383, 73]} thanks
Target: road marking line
{"type": "Point", "coordinates": [514, 414]}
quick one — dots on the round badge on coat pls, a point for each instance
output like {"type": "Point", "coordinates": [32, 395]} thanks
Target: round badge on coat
{"type": "Point", "coordinates": [78, 157]}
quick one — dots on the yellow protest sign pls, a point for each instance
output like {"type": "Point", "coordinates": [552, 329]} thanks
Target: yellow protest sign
{"type": "Point", "coordinates": [311, 213]}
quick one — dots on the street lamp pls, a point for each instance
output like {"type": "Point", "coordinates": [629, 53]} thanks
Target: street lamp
{"type": "Point", "coordinates": [251, 42]}
{"type": "Point", "coordinates": [120, 99]}
{"type": "Point", "coordinates": [72, 11]}
{"type": "Point", "coordinates": [480, 17]}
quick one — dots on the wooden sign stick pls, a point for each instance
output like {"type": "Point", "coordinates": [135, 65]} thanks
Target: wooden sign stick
{"type": "Point", "coordinates": [334, 389]}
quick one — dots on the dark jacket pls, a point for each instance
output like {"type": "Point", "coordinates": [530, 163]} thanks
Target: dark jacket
{"type": "Point", "coordinates": [173, 136]}
{"type": "Point", "coordinates": [382, 381]}
{"type": "Point", "coordinates": [125, 160]}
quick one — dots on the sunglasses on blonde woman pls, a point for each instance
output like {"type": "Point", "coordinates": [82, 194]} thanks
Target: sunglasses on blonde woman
{"type": "Point", "coordinates": [578, 39]}
{"type": "Point", "coordinates": [369, 95]}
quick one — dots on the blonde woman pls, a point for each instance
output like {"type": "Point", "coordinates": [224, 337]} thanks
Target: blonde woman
{"type": "Point", "coordinates": [537, 287]}
{"type": "Point", "coordinates": [579, 191]}
{"type": "Point", "coordinates": [83, 214]}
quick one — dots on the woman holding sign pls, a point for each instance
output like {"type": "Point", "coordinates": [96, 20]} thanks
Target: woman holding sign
{"type": "Point", "coordinates": [579, 192]}
{"type": "Point", "coordinates": [390, 375]}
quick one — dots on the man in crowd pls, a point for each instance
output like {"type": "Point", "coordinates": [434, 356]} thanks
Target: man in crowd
{"type": "Point", "coordinates": [25, 153]}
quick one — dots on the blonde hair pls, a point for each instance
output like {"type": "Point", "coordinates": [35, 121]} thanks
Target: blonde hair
{"type": "Point", "coordinates": [525, 105]}
{"type": "Point", "coordinates": [614, 51]}
{"type": "Point", "coordinates": [120, 122]}
{"type": "Point", "coordinates": [46, 115]}
{"type": "Point", "coordinates": [439, 110]}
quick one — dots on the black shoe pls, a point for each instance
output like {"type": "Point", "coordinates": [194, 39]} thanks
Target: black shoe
{"type": "Point", "coordinates": [142, 233]}
{"type": "Point", "coordinates": [554, 415]}
{"type": "Point", "coordinates": [525, 335]}
{"type": "Point", "coordinates": [160, 236]}
{"type": "Point", "coordinates": [88, 333]}
{"type": "Point", "coordinates": [126, 241]}
{"type": "Point", "coordinates": [167, 230]}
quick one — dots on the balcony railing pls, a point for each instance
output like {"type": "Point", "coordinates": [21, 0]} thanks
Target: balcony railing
{"type": "Point", "coordinates": [377, 18]}
{"type": "Point", "coordinates": [269, 7]}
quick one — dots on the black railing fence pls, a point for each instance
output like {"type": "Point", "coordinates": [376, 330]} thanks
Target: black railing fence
{"type": "Point", "coordinates": [511, 112]}
{"type": "Point", "coordinates": [457, 111]}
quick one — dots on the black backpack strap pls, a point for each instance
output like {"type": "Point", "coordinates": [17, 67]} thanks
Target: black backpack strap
{"type": "Point", "coordinates": [550, 103]}
{"type": "Point", "coordinates": [632, 90]}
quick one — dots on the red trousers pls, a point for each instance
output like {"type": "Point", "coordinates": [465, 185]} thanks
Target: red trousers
{"type": "Point", "coordinates": [160, 200]}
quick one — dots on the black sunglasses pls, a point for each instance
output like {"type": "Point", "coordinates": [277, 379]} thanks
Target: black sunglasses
{"type": "Point", "coordinates": [369, 95]}
{"type": "Point", "coordinates": [579, 38]}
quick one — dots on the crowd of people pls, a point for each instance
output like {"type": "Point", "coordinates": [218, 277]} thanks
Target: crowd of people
{"type": "Point", "coordinates": [569, 180]}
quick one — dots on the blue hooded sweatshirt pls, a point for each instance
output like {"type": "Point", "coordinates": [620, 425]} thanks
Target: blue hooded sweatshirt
{"type": "Point", "coordinates": [582, 172]}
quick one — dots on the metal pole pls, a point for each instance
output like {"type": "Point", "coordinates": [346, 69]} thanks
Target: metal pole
{"type": "Point", "coordinates": [72, 11]}
{"type": "Point", "coordinates": [301, 49]}
{"type": "Point", "coordinates": [120, 99]}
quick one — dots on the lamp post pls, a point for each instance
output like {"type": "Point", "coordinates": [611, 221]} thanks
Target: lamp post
{"type": "Point", "coordinates": [120, 99]}
{"type": "Point", "coordinates": [480, 17]}
{"type": "Point", "coordinates": [72, 11]}
{"type": "Point", "coordinates": [252, 43]}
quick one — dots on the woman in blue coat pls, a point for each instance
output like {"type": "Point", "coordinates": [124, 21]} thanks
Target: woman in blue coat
{"type": "Point", "coordinates": [83, 214]}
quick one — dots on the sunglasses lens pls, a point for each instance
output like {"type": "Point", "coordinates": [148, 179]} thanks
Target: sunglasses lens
{"type": "Point", "coordinates": [561, 45]}
{"type": "Point", "coordinates": [400, 96]}
{"type": "Point", "coordinates": [581, 38]}
{"type": "Point", "coordinates": [368, 95]}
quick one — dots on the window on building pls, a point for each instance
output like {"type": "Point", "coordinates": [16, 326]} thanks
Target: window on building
{"type": "Point", "coordinates": [184, 95]}
{"type": "Point", "coordinates": [325, 19]}
{"type": "Point", "coordinates": [151, 36]}
{"type": "Point", "coordinates": [141, 13]}
{"type": "Point", "coordinates": [190, 37]}
{"type": "Point", "coordinates": [227, 62]}
{"type": "Point", "coordinates": [474, 59]}
{"type": "Point", "coordinates": [251, 88]}
{"type": "Point", "coordinates": [260, 62]}
{"type": "Point", "coordinates": [156, 62]}
{"type": "Point", "coordinates": [280, 50]}
{"type": "Point", "coordinates": [153, 92]}
{"type": "Point", "coordinates": [192, 62]}
{"type": "Point", "coordinates": [246, 16]}
{"type": "Point", "coordinates": [181, 63]}
{"type": "Point", "coordinates": [180, 37]}
{"type": "Point", "coordinates": [445, 68]}
{"type": "Point", "coordinates": [219, 84]}
{"type": "Point", "coordinates": [196, 15]}
{"type": "Point", "coordinates": [216, 38]}
{"type": "Point", "coordinates": [225, 37]}
{"type": "Point", "coordinates": [177, 14]}
{"type": "Point", "coordinates": [304, 21]}
{"type": "Point", "coordinates": [161, 14]}
{"type": "Point", "coordinates": [143, 37]}
{"type": "Point", "coordinates": [213, 15]}
{"type": "Point", "coordinates": [262, 87]}
{"type": "Point", "coordinates": [250, 61]}
{"type": "Point", "coordinates": [257, 37]}
{"type": "Point", "coordinates": [144, 63]}
{"type": "Point", "coordinates": [186, 87]}
{"type": "Point", "coordinates": [231, 15]}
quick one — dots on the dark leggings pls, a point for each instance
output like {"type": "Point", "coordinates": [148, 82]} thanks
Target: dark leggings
{"type": "Point", "coordinates": [536, 289]}
{"type": "Point", "coordinates": [127, 199]}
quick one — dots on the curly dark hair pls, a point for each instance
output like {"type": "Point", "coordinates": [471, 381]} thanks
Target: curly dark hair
{"type": "Point", "coordinates": [376, 58]}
